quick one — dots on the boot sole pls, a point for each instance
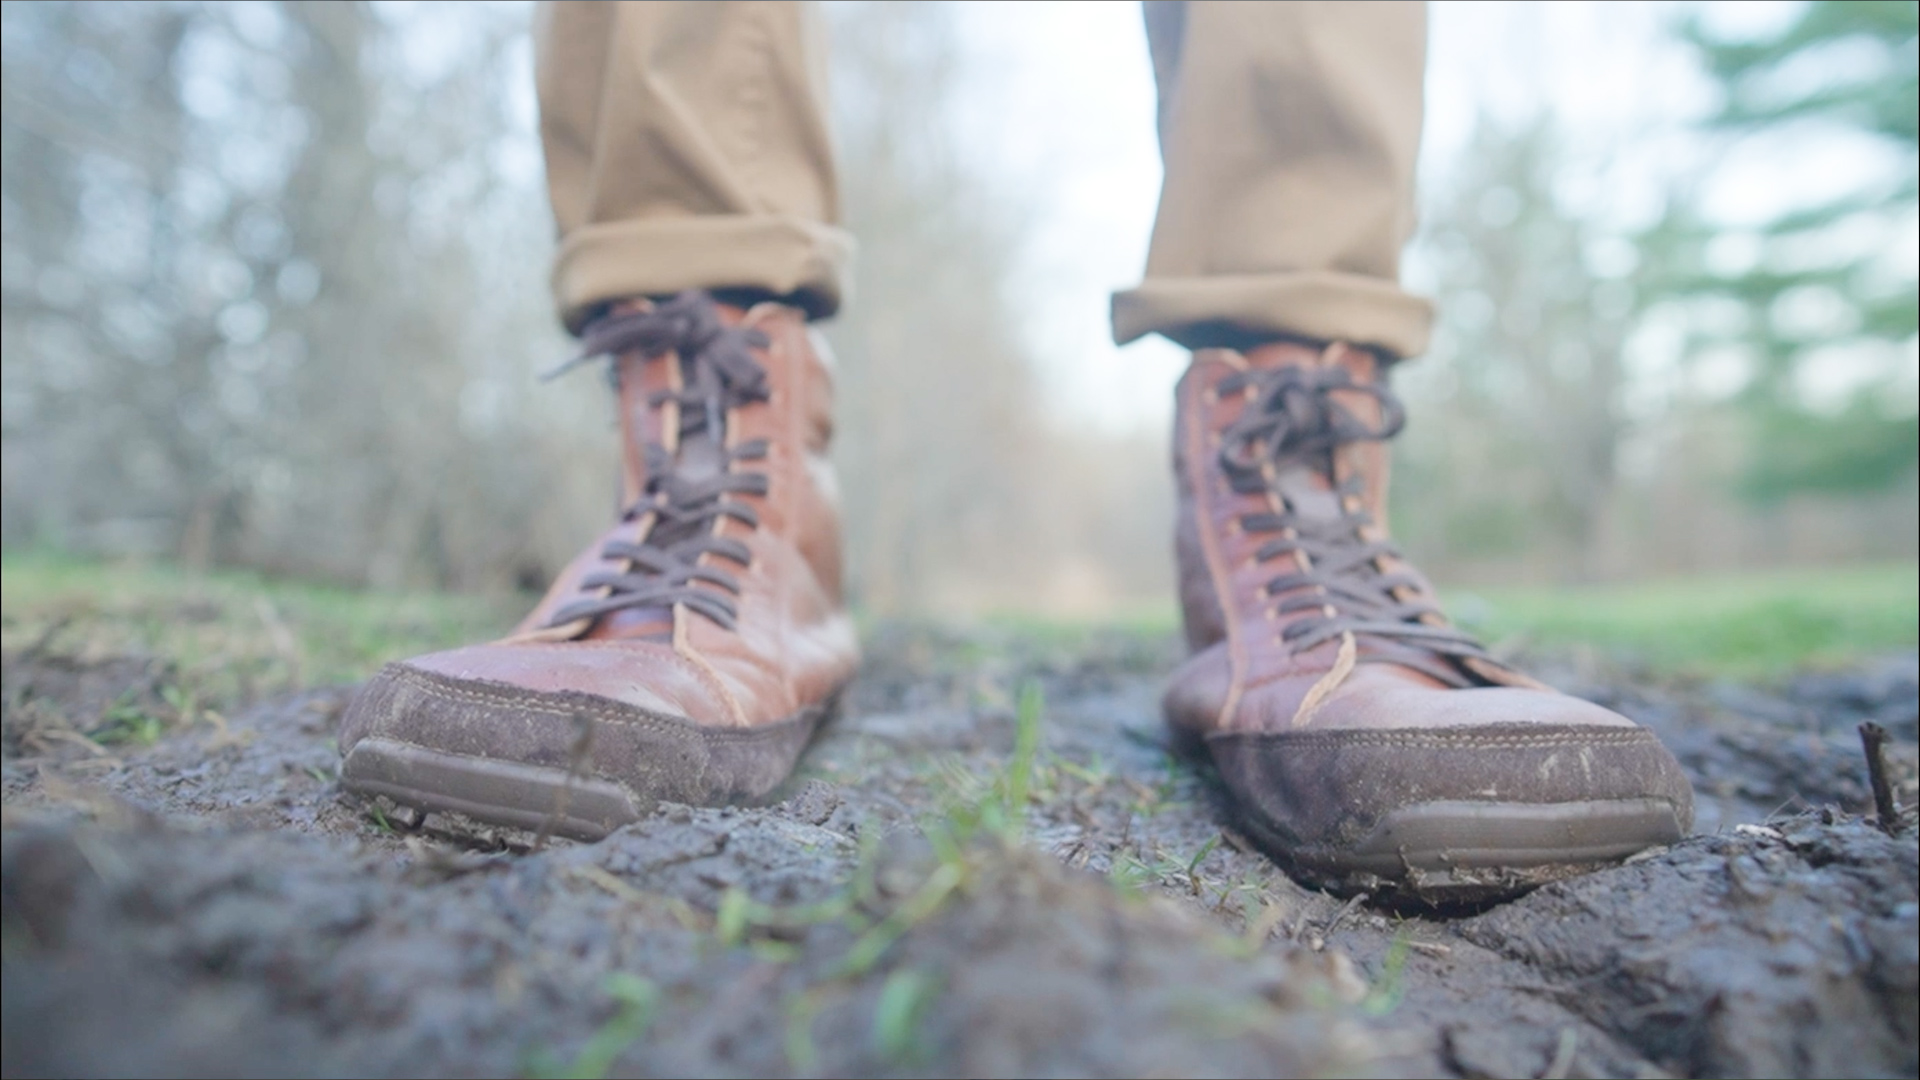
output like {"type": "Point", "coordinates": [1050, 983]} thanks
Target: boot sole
{"type": "Point", "coordinates": [1455, 852]}
{"type": "Point", "coordinates": [572, 803]}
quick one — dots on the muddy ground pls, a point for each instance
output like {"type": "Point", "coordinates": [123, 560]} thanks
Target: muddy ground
{"type": "Point", "coordinates": [193, 894]}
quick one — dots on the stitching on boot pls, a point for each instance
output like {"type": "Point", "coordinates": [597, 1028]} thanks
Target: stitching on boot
{"type": "Point", "coordinates": [703, 669]}
{"type": "Point", "coordinates": [1440, 739]}
{"type": "Point", "coordinates": [613, 712]}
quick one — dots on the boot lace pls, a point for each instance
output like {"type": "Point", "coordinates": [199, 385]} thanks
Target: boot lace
{"type": "Point", "coordinates": [1340, 587]}
{"type": "Point", "coordinates": [687, 489]}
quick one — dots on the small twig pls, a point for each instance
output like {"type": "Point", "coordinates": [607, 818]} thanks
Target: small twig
{"type": "Point", "coordinates": [73, 737]}
{"type": "Point", "coordinates": [1341, 915]}
{"type": "Point", "coordinates": [607, 881]}
{"type": "Point", "coordinates": [1796, 797]}
{"type": "Point", "coordinates": [45, 640]}
{"type": "Point", "coordinates": [1237, 842]}
{"type": "Point", "coordinates": [1873, 740]}
{"type": "Point", "coordinates": [445, 862]}
{"type": "Point", "coordinates": [1262, 926]}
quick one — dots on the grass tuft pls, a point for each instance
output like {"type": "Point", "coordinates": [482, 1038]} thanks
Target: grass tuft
{"type": "Point", "coordinates": [637, 999]}
{"type": "Point", "coordinates": [904, 1000]}
{"type": "Point", "coordinates": [1724, 626]}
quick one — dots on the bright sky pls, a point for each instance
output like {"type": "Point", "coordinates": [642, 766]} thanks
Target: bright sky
{"type": "Point", "coordinates": [1060, 112]}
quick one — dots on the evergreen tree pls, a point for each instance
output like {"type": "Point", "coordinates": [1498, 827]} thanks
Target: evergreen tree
{"type": "Point", "coordinates": [1848, 65]}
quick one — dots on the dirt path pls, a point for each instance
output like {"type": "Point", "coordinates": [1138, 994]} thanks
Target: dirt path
{"type": "Point", "coordinates": [212, 904]}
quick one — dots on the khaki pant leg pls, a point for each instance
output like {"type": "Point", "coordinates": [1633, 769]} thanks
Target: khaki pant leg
{"type": "Point", "coordinates": [687, 148]}
{"type": "Point", "coordinates": [1289, 132]}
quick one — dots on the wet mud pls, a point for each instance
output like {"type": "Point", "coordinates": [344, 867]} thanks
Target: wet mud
{"type": "Point", "coordinates": [990, 865]}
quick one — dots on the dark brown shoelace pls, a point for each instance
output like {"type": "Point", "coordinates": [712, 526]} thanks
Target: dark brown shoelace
{"type": "Point", "coordinates": [1292, 421]}
{"type": "Point", "coordinates": [687, 489]}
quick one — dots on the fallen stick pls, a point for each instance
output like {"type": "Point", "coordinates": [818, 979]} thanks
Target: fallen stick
{"type": "Point", "coordinates": [1873, 740]}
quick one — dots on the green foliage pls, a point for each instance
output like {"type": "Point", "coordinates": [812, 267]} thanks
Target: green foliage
{"type": "Point", "coordinates": [127, 722]}
{"type": "Point", "coordinates": [637, 998]}
{"type": "Point", "coordinates": [1751, 626]}
{"type": "Point", "coordinates": [378, 817]}
{"type": "Point", "coordinates": [230, 637]}
{"type": "Point", "coordinates": [1026, 743]}
{"type": "Point", "coordinates": [1881, 95]}
{"type": "Point", "coordinates": [904, 1000]}
{"type": "Point", "coordinates": [1860, 449]}
{"type": "Point", "coordinates": [996, 807]}
{"type": "Point", "coordinates": [1130, 873]}
{"type": "Point", "coordinates": [1728, 624]}
{"type": "Point", "coordinates": [1840, 65]}
{"type": "Point", "coordinates": [981, 815]}
{"type": "Point", "coordinates": [1390, 988]}
{"type": "Point", "coordinates": [800, 1008]}
{"type": "Point", "coordinates": [925, 901]}
{"type": "Point", "coordinates": [1527, 376]}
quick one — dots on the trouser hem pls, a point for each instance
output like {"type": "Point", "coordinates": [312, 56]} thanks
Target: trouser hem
{"type": "Point", "coordinates": [802, 260]}
{"type": "Point", "coordinates": [1312, 304]}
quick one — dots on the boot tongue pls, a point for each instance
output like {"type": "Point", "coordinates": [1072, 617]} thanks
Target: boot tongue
{"type": "Point", "coordinates": [699, 459]}
{"type": "Point", "coordinates": [1308, 494]}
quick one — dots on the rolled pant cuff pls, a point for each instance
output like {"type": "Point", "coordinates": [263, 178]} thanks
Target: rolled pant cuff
{"type": "Point", "coordinates": [787, 256]}
{"type": "Point", "coordinates": [1313, 304]}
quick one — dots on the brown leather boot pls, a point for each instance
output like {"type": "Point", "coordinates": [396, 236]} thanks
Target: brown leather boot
{"type": "Point", "coordinates": [1366, 742]}
{"type": "Point", "coordinates": [691, 652]}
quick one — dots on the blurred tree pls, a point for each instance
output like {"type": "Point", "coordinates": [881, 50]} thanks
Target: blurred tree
{"type": "Point", "coordinates": [960, 495]}
{"type": "Point", "coordinates": [1808, 292]}
{"type": "Point", "coordinates": [1520, 451]}
{"type": "Point", "coordinates": [938, 444]}
{"type": "Point", "coordinates": [269, 296]}
{"type": "Point", "coordinates": [92, 137]}
{"type": "Point", "coordinates": [274, 296]}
